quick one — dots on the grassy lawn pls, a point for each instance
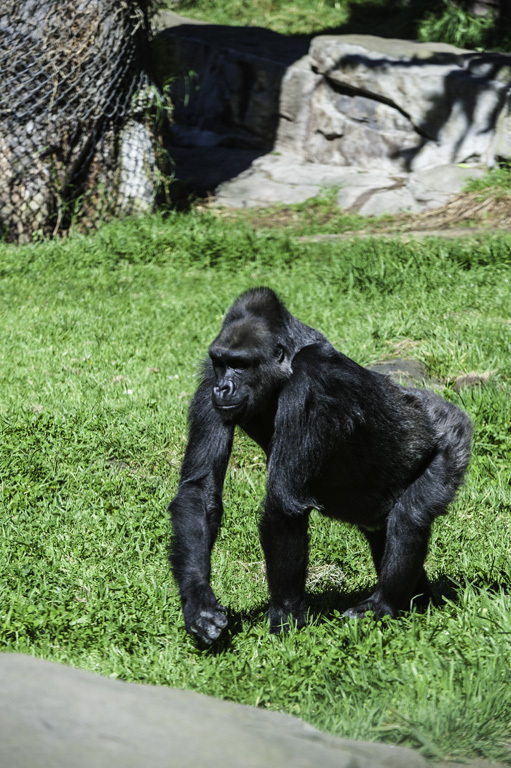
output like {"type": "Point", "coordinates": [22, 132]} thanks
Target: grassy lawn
{"type": "Point", "coordinates": [100, 338]}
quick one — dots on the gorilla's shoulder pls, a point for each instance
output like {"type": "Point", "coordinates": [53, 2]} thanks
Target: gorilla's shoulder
{"type": "Point", "coordinates": [322, 357]}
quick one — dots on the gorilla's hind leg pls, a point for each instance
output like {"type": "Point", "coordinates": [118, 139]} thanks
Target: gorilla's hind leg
{"type": "Point", "coordinates": [377, 540]}
{"type": "Point", "coordinates": [399, 551]}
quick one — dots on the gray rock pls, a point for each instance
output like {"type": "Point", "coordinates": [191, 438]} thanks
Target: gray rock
{"type": "Point", "coordinates": [406, 371]}
{"type": "Point", "coordinates": [472, 379]}
{"type": "Point", "coordinates": [251, 189]}
{"type": "Point", "coordinates": [297, 89]}
{"type": "Point", "coordinates": [358, 185]}
{"type": "Point", "coordinates": [351, 129]}
{"type": "Point", "coordinates": [436, 185]}
{"type": "Point", "coordinates": [389, 201]}
{"type": "Point", "coordinates": [503, 131]}
{"type": "Point", "coordinates": [282, 178]}
{"type": "Point", "coordinates": [51, 715]}
{"type": "Point", "coordinates": [224, 79]}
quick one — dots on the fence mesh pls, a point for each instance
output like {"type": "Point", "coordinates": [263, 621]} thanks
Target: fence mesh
{"type": "Point", "coordinates": [76, 142]}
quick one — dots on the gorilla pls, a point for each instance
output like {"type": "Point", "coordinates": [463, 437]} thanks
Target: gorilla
{"type": "Point", "coordinates": [338, 438]}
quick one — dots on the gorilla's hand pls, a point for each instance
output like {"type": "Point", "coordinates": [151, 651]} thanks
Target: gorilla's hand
{"type": "Point", "coordinates": [204, 616]}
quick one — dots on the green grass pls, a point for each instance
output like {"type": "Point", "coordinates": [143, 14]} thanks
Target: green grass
{"type": "Point", "coordinates": [451, 23]}
{"type": "Point", "coordinates": [496, 183]}
{"type": "Point", "coordinates": [305, 17]}
{"type": "Point", "coordinates": [423, 20]}
{"type": "Point", "coordinates": [100, 338]}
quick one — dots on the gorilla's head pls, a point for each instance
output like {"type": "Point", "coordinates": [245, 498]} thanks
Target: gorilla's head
{"type": "Point", "coordinates": [251, 357]}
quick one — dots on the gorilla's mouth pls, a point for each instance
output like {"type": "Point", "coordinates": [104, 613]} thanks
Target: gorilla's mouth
{"type": "Point", "coordinates": [230, 409]}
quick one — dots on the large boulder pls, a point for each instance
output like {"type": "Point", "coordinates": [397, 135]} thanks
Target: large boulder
{"type": "Point", "coordinates": [410, 105]}
{"type": "Point", "coordinates": [51, 715]}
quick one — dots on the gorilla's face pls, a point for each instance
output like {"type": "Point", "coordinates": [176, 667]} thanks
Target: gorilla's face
{"type": "Point", "coordinates": [250, 366]}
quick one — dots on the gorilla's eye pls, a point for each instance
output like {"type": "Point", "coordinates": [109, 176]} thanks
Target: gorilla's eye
{"type": "Point", "coordinates": [241, 365]}
{"type": "Point", "coordinates": [240, 362]}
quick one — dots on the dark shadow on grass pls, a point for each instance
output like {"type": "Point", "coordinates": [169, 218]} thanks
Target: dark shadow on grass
{"type": "Point", "coordinates": [321, 607]}
{"type": "Point", "coordinates": [324, 604]}
{"type": "Point", "coordinates": [393, 19]}
{"type": "Point", "coordinates": [494, 582]}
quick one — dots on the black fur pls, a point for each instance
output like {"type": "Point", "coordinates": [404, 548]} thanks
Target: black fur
{"type": "Point", "coordinates": [338, 438]}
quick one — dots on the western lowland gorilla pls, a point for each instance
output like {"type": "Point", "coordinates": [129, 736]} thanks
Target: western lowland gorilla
{"type": "Point", "coordinates": [338, 438]}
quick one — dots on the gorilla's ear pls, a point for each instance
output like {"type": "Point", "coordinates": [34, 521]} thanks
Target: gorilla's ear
{"type": "Point", "coordinates": [280, 353]}
{"type": "Point", "coordinates": [283, 359]}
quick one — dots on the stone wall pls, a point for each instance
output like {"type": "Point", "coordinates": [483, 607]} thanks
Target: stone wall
{"type": "Point", "coordinates": [261, 118]}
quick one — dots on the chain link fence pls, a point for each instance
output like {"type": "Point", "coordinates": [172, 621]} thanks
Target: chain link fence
{"type": "Point", "coordinates": [77, 144]}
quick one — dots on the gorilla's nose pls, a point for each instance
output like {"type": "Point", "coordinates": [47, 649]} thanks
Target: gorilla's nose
{"type": "Point", "coordinates": [224, 390]}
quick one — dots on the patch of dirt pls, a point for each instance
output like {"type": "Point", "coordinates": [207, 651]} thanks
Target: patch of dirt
{"type": "Point", "coordinates": [488, 212]}
{"type": "Point", "coordinates": [470, 214]}
{"type": "Point", "coordinates": [467, 215]}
